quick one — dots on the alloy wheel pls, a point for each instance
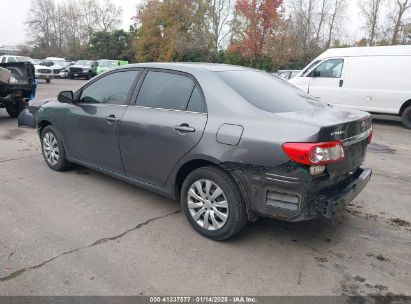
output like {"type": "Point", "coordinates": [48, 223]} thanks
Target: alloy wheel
{"type": "Point", "coordinates": [51, 149]}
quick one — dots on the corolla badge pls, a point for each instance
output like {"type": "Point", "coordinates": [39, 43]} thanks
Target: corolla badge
{"type": "Point", "coordinates": [338, 133]}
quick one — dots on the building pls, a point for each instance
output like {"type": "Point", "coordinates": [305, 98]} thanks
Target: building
{"type": "Point", "coordinates": [9, 50]}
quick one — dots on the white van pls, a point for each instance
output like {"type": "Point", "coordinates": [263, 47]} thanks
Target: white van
{"type": "Point", "coordinates": [373, 79]}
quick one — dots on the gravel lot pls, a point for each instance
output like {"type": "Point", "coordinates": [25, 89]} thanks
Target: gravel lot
{"type": "Point", "coordinates": [83, 233]}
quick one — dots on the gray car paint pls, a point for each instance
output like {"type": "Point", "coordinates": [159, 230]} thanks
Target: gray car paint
{"type": "Point", "coordinates": [152, 152]}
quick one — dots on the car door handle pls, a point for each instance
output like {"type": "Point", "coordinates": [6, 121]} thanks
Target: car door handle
{"type": "Point", "coordinates": [112, 118]}
{"type": "Point", "coordinates": [341, 83]}
{"type": "Point", "coordinates": [184, 128]}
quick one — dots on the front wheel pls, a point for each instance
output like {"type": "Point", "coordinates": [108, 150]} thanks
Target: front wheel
{"type": "Point", "coordinates": [406, 117]}
{"type": "Point", "coordinates": [213, 204]}
{"type": "Point", "coordinates": [53, 149]}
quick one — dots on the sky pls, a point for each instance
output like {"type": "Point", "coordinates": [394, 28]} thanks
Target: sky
{"type": "Point", "coordinates": [12, 28]}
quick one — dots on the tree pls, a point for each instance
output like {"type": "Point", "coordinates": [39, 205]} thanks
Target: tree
{"type": "Point", "coordinates": [337, 15]}
{"type": "Point", "coordinates": [370, 9]}
{"type": "Point", "coordinates": [314, 24]}
{"type": "Point", "coordinates": [397, 17]}
{"type": "Point", "coordinates": [221, 17]}
{"type": "Point", "coordinates": [111, 45]}
{"type": "Point", "coordinates": [65, 28]}
{"type": "Point", "coordinates": [258, 18]}
{"type": "Point", "coordinates": [173, 30]}
{"type": "Point", "coordinates": [302, 15]}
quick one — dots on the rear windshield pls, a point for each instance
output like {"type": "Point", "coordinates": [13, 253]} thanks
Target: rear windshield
{"type": "Point", "coordinates": [268, 92]}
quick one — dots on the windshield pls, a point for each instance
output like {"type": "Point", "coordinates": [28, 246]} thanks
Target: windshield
{"type": "Point", "coordinates": [268, 92]}
{"type": "Point", "coordinates": [25, 59]}
{"type": "Point", "coordinates": [309, 67]}
{"type": "Point", "coordinates": [83, 62]}
{"type": "Point", "coordinates": [108, 64]}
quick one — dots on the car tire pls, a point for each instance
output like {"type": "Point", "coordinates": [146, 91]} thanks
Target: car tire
{"type": "Point", "coordinates": [53, 149]}
{"type": "Point", "coordinates": [14, 109]}
{"type": "Point", "coordinates": [48, 81]}
{"type": "Point", "coordinates": [406, 117]}
{"type": "Point", "coordinates": [229, 205]}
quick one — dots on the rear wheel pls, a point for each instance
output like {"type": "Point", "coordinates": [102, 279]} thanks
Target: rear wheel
{"type": "Point", "coordinates": [53, 149]}
{"type": "Point", "coordinates": [213, 204]}
{"type": "Point", "coordinates": [406, 117]}
{"type": "Point", "coordinates": [14, 109]}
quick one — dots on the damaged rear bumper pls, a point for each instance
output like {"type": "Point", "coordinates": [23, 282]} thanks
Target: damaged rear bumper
{"type": "Point", "coordinates": [330, 205]}
{"type": "Point", "coordinates": [292, 194]}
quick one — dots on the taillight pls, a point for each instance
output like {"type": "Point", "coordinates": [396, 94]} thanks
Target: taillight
{"type": "Point", "coordinates": [315, 153]}
{"type": "Point", "coordinates": [370, 137]}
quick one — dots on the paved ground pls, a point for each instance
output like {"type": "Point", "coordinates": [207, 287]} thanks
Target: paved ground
{"type": "Point", "coordinates": [83, 233]}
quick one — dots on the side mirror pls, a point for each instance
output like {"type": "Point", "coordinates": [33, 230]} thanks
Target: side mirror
{"type": "Point", "coordinates": [66, 97]}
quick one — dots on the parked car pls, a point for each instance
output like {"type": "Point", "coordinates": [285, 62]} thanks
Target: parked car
{"type": "Point", "coordinates": [17, 86]}
{"type": "Point", "coordinates": [287, 74]}
{"type": "Point", "coordinates": [55, 59]}
{"type": "Point", "coordinates": [231, 143]}
{"type": "Point", "coordinates": [41, 71]}
{"type": "Point", "coordinates": [373, 79]}
{"type": "Point", "coordinates": [58, 65]}
{"type": "Point", "coordinates": [82, 69]}
{"type": "Point", "coordinates": [105, 65]}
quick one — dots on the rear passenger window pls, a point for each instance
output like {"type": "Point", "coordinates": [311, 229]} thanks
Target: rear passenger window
{"type": "Point", "coordinates": [165, 90]}
{"type": "Point", "coordinates": [196, 103]}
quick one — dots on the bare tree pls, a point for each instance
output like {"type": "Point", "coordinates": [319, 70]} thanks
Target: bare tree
{"type": "Point", "coordinates": [313, 23]}
{"type": "Point", "coordinates": [397, 17]}
{"type": "Point", "coordinates": [335, 19]}
{"type": "Point", "coordinates": [107, 15]}
{"type": "Point", "coordinates": [40, 23]}
{"type": "Point", "coordinates": [66, 27]}
{"type": "Point", "coordinates": [302, 16]}
{"type": "Point", "coordinates": [325, 6]}
{"type": "Point", "coordinates": [370, 9]}
{"type": "Point", "coordinates": [221, 17]}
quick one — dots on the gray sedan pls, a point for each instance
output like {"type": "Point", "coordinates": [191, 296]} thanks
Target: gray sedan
{"type": "Point", "coordinates": [231, 143]}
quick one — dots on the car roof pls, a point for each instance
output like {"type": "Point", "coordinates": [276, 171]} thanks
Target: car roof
{"type": "Point", "coordinates": [401, 50]}
{"type": "Point", "coordinates": [185, 66]}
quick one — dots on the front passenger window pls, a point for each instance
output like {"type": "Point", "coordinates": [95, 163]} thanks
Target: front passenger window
{"type": "Point", "coordinates": [111, 89]}
{"type": "Point", "coordinates": [329, 69]}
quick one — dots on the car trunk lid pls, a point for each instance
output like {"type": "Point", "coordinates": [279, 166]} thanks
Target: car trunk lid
{"type": "Point", "coordinates": [352, 128]}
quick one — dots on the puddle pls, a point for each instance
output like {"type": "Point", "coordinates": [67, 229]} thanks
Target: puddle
{"type": "Point", "coordinates": [12, 134]}
{"type": "Point", "coordinates": [376, 148]}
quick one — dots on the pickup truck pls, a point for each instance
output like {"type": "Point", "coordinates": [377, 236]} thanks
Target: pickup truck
{"type": "Point", "coordinates": [17, 86]}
